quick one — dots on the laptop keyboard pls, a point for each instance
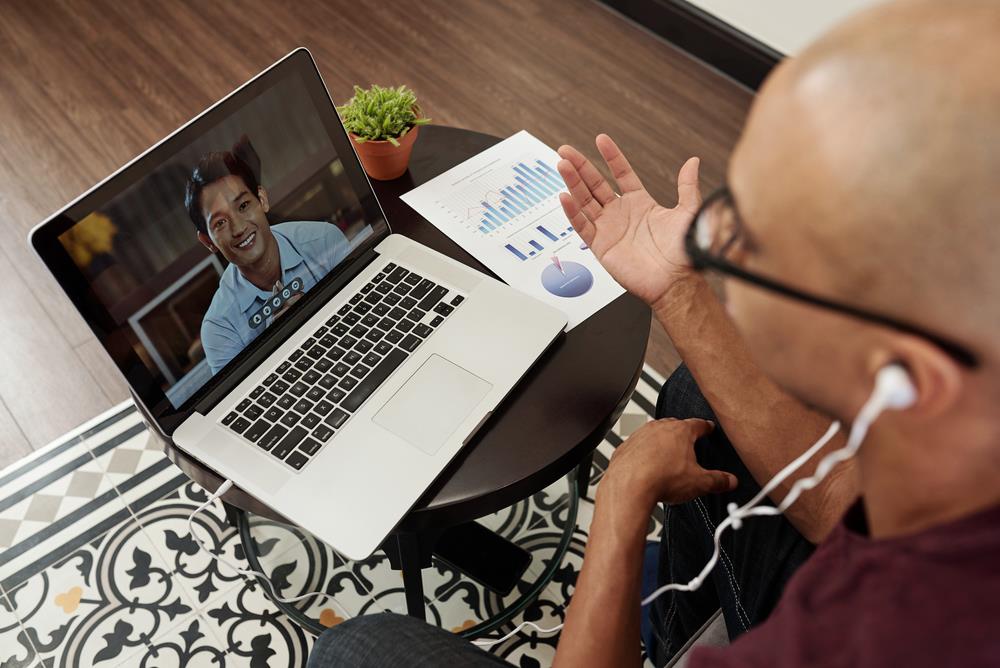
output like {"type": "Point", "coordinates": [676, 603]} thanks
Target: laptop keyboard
{"type": "Point", "coordinates": [312, 394]}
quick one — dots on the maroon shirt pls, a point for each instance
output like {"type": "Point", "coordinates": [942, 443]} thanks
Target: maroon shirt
{"type": "Point", "coordinates": [928, 599]}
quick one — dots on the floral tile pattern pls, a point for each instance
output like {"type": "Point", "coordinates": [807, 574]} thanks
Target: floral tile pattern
{"type": "Point", "coordinates": [97, 567]}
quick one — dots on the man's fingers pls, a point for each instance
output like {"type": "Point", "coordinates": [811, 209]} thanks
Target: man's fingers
{"type": "Point", "coordinates": [585, 200]}
{"type": "Point", "coordinates": [699, 427]}
{"type": "Point", "coordinates": [597, 184]}
{"type": "Point", "coordinates": [688, 192]}
{"type": "Point", "coordinates": [626, 177]}
{"type": "Point", "coordinates": [717, 482]}
{"type": "Point", "coordinates": [580, 223]}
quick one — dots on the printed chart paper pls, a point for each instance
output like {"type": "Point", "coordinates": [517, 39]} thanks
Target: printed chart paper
{"type": "Point", "coordinates": [503, 207]}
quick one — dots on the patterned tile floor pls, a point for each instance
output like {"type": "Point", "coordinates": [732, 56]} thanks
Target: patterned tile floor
{"type": "Point", "coordinates": [97, 567]}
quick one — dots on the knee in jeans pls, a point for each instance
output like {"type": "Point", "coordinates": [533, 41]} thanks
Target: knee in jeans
{"type": "Point", "coordinates": [680, 398]}
{"type": "Point", "coordinates": [362, 636]}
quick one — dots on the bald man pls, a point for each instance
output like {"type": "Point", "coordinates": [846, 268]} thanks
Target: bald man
{"type": "Point", "coordinates": [860, 227]}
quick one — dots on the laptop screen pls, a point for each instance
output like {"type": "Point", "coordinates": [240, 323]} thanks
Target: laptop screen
{"type": "Point", "coordinates": [222, 238]}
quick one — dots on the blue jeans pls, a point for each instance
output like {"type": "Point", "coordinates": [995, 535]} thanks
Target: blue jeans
{"type": "Point", "coordinates": [756, 563]}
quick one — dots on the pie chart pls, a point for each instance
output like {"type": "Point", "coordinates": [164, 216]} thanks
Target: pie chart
{"type": "Point", "coordinates": [567, 279]}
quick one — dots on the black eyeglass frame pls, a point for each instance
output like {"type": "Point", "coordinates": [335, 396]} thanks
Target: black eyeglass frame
{"type": "Point", "coordinates": [702, 260]}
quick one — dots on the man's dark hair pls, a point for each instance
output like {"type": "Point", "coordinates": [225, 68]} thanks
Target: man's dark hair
{"type": "Point", "coordinates": [242, 161]}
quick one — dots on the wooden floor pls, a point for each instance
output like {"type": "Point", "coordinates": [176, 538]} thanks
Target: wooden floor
{"type": "Point", "coordinates": [86, 85]}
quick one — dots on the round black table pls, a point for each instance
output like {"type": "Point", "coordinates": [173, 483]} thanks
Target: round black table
{"type": "Point", "coordinates": [547, 427]}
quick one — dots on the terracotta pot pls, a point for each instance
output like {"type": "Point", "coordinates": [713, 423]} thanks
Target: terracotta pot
{"type": "Point", "coordinates": [383, 161]}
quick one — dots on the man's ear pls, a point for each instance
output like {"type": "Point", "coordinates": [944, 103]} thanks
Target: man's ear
{"type": "Point", "coordinates": [206, 241]}
{"type": "Point", "coordinates": [936, 376]}
{"type": "Point", "coordinates": [262, 196]}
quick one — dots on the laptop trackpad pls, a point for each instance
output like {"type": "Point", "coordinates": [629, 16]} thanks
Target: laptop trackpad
{"type": "Point", "coordinates": [428, 408]}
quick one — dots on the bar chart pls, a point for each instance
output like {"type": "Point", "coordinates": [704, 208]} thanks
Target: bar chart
{"type": "Point", "coordinates": [502, 206]}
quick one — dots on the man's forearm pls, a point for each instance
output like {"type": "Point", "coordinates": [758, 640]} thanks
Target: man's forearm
{"type": "Point", "coordinates": [767, 426]}
{"type": "Point", "coordinates": [602, 622]}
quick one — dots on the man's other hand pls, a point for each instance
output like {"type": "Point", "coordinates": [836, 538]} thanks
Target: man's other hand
{"type": "Point", "coordinates": [638, 241]}
{"type": "Point", "coordinates": [657, 463]}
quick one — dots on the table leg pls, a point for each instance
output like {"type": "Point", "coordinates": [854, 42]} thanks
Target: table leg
{"type": "Point", "coordinates": [410, 562]}
{"type": "Point", "coordinates": [583, 474]}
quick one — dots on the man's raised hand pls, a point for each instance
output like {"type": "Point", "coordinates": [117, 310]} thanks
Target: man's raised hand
{"type": "Point", "coordinates": [638, 241]}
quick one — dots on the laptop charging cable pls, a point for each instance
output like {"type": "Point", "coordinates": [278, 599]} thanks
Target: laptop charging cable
{"type": "Point", "coordinates": [247, 572]}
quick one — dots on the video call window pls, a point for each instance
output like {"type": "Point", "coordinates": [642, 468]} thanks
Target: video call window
{"type": "Point", "coordinates": [201, 256]}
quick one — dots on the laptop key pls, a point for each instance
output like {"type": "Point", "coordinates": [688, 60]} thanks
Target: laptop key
{"type": "Point", "coordinates": [280, 387]}
{"type": "Point", "coordinates": [336, 419]}
{"type": "Point", "coordinates": [413, 278]}
{"type": "Point", "coordinates": [339, 369]}
{"type": "Point", "coordinates": [270, 379]}
{"type": "Point", "coordinates": [243, 405]}
{"type": "Point", "coordinates": [267, 399]}
{"type": "Point", "coordinates": [354, 300]}
{"type": "Point", "coordinates": [380, 309]}
{"type": "Point", "coordinates": [382, 347]}
{"type": "Point", "coordinates": [335, 353]}
{"type": "Point", "coordinates": [312, 375]}
{"type": "Point", "coordinates": [323, 365]}
{"type": "Point", "coordinates": [369, 320]}
{"type": "Point", "coordinates": [320, 332]}
{"type": "Point", "coordinates": [296, 460]}
{"type": "Point", "coordinates": [346, 308]}
{"type": "Point", "coordinates": [303, 406]}
{"type": "Point", "coordinates": [228, 420]}
{"type": "Point", "coordinates": [401, 289]}
{"type": "Point", "coordinates": [290, 441]}
{"type": "Point", "coordinates": [286, 401]}
{"type": "Point", "coordinates": [347, 383]}
{"type": "Point", "coordinates": [290, 419]}
{"type": "Point", "coordinates": [257, 430]}
{"type": "Point", "coordinates": [432, 298]}
{"type": "Point", "coordinates": [311, 446]}
{"type": "Point", "coordinates": [404, 325]}
{"type": "Point", "coordinates": [352, 358]}
{"type": "Point", "coordinates": [386, 323]}
{"type": "Point", "coordinates": [371, 359]}
{"type": "Point", "coordinates": [389, 267]}
{"type": "Point", "coordinates": [423, 331]}
{"type": "Point", "coordinates": [348, 341]}
{"type": "Point", "coordinates": [392, 299]}
{"type": "Point", "coordinates": [327, 341]}
{"type": "Point", "coordinates": [362, 308]}
{"type": "Point", "coordinates": [322, 434]}
{"type": "Point", "coordinates": [406, 303]}
{"type": "Point", "coordinates": [368, 288]}
{"type": "Point", "coordinates": [359, 372]}
{"type": "Point", "coordinates": [375, 335]}
{"type": "Point", "coordinates": [304, 363]}
{"type": "Point", "coordinates": [333, 321]}
{"type": "Point", "coordinates": [444, 309]}
{"type": "Point", "coordinates": [283, 367]}
{"type": "Point", "coordinates": [351, 318]}
{"type": "Point", "coordinates": [273, 435]}
{"type": "Point", "coordinates": [409, 342]}
{"type": "Point", "coordinates": [240, 425]}
{"type": "Point", "coordinates": [308, 343]}
{"type": "Point", "coordinates": [340, 329]}
{"type": "Point", "coordinates": [437, 320]}
{"type": "Point", "coordinates": [291, 375]}
{"type": "Point", "coordinates": [396, 275]}
{"type": "Point", "coordinates": [311, 420]}
{"type": "Point", "coordinates": [422, 288]}
{"type": "Point", "coordinates": [315, 393]}
{"type": "Point", "coordinates": [335, 395]}
{"type": "Point", "coordinates": [363, 346]}
{"type": "Point", "coordinates": [358, 331]}
{"type": "Point", "coordinates": [273, 414]}
{"type": "Point", "coordinates": [383, 288]}
{"type": "Point", "coordinates": [397, 313]}
{"type": "Point", "coordinates": [416, 315]}
{"type": "Point", "coordinates": [379, 276]}
{"type": "Point", "coordinates": [327, 381]}
{"type": "Point", "coordinates": [296, 354]}
{"type": "Point", "coordinates": [373, 298]}
{"type": "Point", "coordinates": [253, 412]}
{"type": "Point", "coordinates": [394, 336]}
{"type": "Point", "coordinates": [458, 299]}
{"type": "Point", "coordinates": [323, 407]}
{"type": "Point", "coordinates": [299, 388]}
{"type": "Point", "coordinates": [374, 379]}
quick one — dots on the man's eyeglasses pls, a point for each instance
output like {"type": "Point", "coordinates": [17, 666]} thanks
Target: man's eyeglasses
{"type": "Point", "coordinates": [716, 240]}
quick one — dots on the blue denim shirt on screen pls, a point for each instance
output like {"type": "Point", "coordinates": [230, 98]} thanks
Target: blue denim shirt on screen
{"type": "Point", "coordinates": [308, 249]}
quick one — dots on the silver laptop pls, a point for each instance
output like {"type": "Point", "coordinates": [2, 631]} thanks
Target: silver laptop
{"type": "Point", "coordinates": [242, 276]}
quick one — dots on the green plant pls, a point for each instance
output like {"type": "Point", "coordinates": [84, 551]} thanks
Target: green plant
{"type": "Point", "coordinates": [381, 113]}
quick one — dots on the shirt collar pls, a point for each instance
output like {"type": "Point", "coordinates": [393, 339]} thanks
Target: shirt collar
{"type": "Point", "coordinates": [246, 292]}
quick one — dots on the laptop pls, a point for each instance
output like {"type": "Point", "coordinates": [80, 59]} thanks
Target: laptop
{"type": "Point", "coordinates": [243, 277]}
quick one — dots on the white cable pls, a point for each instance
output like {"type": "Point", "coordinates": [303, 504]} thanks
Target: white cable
{"type": "Point", "coordinates": [223, 488]}
{"type": "Point", "coordinates": [490, 643]}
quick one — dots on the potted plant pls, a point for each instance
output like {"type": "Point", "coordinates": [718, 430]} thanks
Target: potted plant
{"type": "Point", "coordinates": [383, 123]}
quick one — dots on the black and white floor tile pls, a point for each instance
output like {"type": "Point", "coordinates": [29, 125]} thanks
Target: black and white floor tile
{"type": "Point", "coordinates": [97, 567]}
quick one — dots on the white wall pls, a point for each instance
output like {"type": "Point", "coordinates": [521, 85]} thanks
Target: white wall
{"type": "Point", "coordinates": [785, 25]}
